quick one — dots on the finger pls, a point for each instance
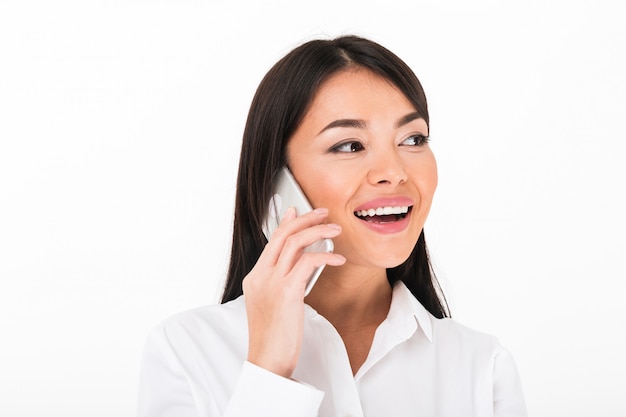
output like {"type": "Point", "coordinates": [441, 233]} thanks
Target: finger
{"type": "Point", "coordinates": [294, 245]}
{"type": "Point", "coordinates": [292, 223]}
{"type": "Point", "coordinates": [290, 214]}
{"type": "Point", "coordinates": [307, 264]}
{"type": "Point", "coordinates": [289, 225]}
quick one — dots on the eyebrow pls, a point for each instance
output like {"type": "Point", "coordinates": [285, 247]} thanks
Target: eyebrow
{"type": "Point", "coordinates": [408, 119]}
{"type": "Point", "coordinates": [360, 124]}
{"type": "Point", "coordinates": [353, 123]}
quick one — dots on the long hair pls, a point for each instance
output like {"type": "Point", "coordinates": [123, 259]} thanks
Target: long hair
{"type": "Point", "coordinates": [278, 107]}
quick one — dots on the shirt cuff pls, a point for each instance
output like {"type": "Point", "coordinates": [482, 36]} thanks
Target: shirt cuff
{"type": "Point", "coordinates": [260, 393]}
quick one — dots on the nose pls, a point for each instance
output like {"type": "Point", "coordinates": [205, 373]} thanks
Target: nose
{"type": "Point", "coordinates": [386, 168]}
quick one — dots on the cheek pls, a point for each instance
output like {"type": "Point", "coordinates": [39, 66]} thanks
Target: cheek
{"type": "Point", "coordinates": [326, 190]}
{"type": "Point", "coordinates": [431, 183]}
{"type": "Point", "coordinates": [430, 175]}
{"type": "Point", "coordinates": [324, 184]}
{"type": "Point", "coordinates": [427, 178]}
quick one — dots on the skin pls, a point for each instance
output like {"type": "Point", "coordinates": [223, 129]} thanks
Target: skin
{"type": "Point", "coordinates": [341, 166]}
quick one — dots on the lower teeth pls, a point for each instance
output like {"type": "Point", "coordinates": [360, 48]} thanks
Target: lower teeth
{"type": "Point", "coordinates": [385, 218]}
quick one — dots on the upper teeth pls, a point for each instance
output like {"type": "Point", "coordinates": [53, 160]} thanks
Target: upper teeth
{"type": "Point", "coordinates": [380, 211]}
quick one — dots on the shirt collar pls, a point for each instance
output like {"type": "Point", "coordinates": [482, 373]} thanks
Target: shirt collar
{"type": "Point", "coordinates": [406, 313]}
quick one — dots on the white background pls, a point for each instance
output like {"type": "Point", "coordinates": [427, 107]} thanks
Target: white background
{"type": "Point", "coordinates": [120, 127]}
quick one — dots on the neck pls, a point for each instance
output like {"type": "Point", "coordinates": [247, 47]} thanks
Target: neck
{"type": "Point", "coordinates": [351, 297]}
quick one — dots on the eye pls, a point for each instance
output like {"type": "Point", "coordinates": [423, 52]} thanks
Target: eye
{"type": "Point", "coordinates": [415, 140]}
{"type": "Point", "coordinates": [347, 147]}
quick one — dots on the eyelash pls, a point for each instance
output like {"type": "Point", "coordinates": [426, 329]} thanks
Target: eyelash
{"type": "Point", "coordinates": [419, 140]}
{"type": "Point", "coordinates": [352, 144]}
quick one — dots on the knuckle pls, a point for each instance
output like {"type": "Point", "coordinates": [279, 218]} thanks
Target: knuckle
{"type": "Point", "coordinates": [310, 259]}
{"type": "Point", "coordinates": [280, 233]}
{"type": "Point", "coordinates": [293, 242]}
{"type": "Point", "coordinates": [254, 279]}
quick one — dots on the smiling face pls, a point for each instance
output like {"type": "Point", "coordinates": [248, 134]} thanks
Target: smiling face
{"type": "Point", "coordinates": [362, 152]}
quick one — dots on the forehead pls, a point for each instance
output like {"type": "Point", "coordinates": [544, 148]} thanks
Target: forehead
{"type": "Point", "coordinates": [357, 93]}
{"type": "Point", "coordinates": [357, 89]}
{"type": "Point", "coordinates": [353, 80]}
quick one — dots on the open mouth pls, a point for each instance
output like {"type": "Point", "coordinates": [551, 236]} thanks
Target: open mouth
{"type": "Point", "coordinates": [384, 214]}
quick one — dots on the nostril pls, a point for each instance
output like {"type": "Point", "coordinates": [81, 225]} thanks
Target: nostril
{"type": "Point", "coordinates": [387, 174]}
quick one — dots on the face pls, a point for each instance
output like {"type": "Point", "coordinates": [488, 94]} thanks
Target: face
{"type": "Point", "coordinates": [362, 152]}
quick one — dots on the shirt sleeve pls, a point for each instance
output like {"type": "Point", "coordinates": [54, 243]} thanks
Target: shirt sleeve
{"type": "Point", "coordinates": [508, 397]}
{"type": "Point", "coordinates": [262, 393]}
{"type": "Point", "coordinates": [163, 387]}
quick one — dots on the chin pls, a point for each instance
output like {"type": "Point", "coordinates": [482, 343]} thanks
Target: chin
{"type": "Point", "coordinates": [395, 263]}
{"type": "Point", "coordinates": [383, 254]}
{"type": "Point", "coordinates": [391, 262]}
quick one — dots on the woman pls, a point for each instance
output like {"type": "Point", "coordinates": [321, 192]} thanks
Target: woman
{"type": "Point", "coordinates": [373, 337]}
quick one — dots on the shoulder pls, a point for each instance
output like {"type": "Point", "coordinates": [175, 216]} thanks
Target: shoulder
{"type": "Point", "coordinates": [451, 334]}
{"type": "Point", "coordinates": [219, 326]}
{"type": "Point", "coordinates": [208, 315]}
{"type": "Point", "coordinates": [485, 364]}
{"type": "Point", "coordinates": [192, 357]}
{"type": "Point", "coordinates": [449, 327]}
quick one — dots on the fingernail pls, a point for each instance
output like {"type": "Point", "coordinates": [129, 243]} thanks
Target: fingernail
{"type": "Point", "coordinates": [334, 226]}
{"type": "Point", "coordinates": [290, 213]}
{"type": "Point", "coordinates": [340, 259]}
{"type": "Point", "coordinates": [321, 210]}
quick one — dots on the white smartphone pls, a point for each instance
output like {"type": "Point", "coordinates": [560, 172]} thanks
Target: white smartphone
{"type": "Point", "coordinates": [287, 193]}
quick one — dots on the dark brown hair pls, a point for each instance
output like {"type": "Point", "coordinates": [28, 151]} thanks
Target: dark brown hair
{"type": "Point", "coordinates": [280, 103]}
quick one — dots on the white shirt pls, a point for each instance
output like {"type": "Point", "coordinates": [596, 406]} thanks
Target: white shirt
{"type": "Point", "coordinates": [195, 365]}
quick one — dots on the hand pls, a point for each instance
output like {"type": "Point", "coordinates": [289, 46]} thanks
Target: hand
{"type": "Point", "coordinates": [274, 289]}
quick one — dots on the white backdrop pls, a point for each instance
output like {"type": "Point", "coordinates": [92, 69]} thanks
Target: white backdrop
{"type": "Point", "coordinates": [120, 126]}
